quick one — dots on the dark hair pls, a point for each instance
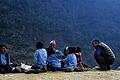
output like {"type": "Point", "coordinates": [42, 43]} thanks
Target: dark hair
{"type": "Point", "coordinates": [78, 49]}
{"type": "Point", "coordinates": [39, 45]}
{"type": "Point", "coordinates": [96, 41]}
{"type": "Point", "coordinates": [3, 45]}
{"type": "Point", "coordinates": [71, 49]}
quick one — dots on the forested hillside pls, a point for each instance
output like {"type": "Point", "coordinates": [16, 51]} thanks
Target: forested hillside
{"type": "Point", "coordinates": [69, 22]}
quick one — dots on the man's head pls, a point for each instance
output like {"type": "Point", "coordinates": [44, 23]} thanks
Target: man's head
{"type": "Point", "coordinates": [3, 48]}
{"type": "Point", "coordinates": [95, 42]}
{"type": "Point", "coordinates": [53, 44]}
{"type": "Point", "coordinates": [39, 45]}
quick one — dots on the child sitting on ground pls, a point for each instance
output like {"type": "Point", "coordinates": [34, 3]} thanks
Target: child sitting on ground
{"type": "Point", "coordinates": [54, 57]}
{"type": "Point", "coordinates": [5, 65]}
{"type": "Point", "coordinates": [70, 60]}
{"type": "Point", "coordinates": [4, 59]}
{"type": "Point", "coordinates": [79, 59]}
{"type": "Point", "coordinates": [54, 60]}
{"type": "Point", "coordinates": [40, 58]}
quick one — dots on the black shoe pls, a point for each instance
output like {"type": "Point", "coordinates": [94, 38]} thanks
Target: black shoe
{"type": "Point", "coordinates": [102, 69]}
{"type": "Point", "coordinates": [108, 67]}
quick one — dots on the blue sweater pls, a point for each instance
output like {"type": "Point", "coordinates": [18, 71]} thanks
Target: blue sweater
{"type": "Point", "coordinates": [55, 59]}
{"type": "Point", "coordinates": [4, 59]}
{"type": "Point", "coordinates": [40, 57]}
{"type": "Point", "coordinates": [70, 60]}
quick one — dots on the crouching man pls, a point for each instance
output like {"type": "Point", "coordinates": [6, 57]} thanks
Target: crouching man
{"type": "Point", "coordinates": [103, 55]}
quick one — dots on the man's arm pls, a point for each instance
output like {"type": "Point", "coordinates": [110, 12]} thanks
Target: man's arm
{"type": "Point", "coordinates": [98, 51]}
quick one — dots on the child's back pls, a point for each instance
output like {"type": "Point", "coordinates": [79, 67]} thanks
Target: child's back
{"type": "Point", "coordinates": [40, 57]}
{"type": "Point", "coordinates": [55, 60]}
{"type": "Point", "coordinates": [71, 60]}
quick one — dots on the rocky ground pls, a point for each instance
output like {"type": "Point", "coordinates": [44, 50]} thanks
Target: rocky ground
{"type": "Point", "coordinates": [88, 75]}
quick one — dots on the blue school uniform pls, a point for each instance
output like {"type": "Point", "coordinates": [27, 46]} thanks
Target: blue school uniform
{"type": "Point", "coordinates": [55, 59]}
{"type": "Point", "coordinates": [70, 60]}
{"type": "Point", "coordinates": [4, 59]}
{"type": "Point", "coordinates": [40, 57]}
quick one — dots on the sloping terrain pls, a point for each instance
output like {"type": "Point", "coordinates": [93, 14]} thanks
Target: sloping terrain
{"type": "Point", "coordinates": [69, 22]}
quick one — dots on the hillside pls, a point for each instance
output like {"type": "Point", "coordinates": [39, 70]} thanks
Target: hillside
{"type": "Point", "coordinates": [69, 22]}
{"type": "Point", "coordinates": [89, 75]}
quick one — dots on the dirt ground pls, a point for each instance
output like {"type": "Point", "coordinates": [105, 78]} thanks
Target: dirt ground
{"type": "Point", "coordinates": [88, 75]}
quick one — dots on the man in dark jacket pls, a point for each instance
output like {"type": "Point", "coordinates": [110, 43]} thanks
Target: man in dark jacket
{"type": "Point", "coordinates": [103, 55]}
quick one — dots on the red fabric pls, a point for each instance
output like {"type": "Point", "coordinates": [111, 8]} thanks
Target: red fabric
{"type": "Point", "coordinates": [79, 59]}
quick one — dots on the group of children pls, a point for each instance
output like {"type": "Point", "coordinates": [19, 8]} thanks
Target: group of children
{"type": "Point", "coordinates": [55, 60]}
{"type": "Point", "coordinates": [48, 59]}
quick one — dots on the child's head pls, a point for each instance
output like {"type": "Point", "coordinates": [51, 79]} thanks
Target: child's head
{"type": "Point", "coordinates": [39, 45]}
{"type": "Point", "coordinates": [66, 51]}
{"type": "Point", "coordinates": [53, 44]}
{"type": "Point", "coordinates": [3, 48]}
{"type": "Point", "coordinates": [71, 49]}
{"type": "Point", "coordinates": [78, 49]}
